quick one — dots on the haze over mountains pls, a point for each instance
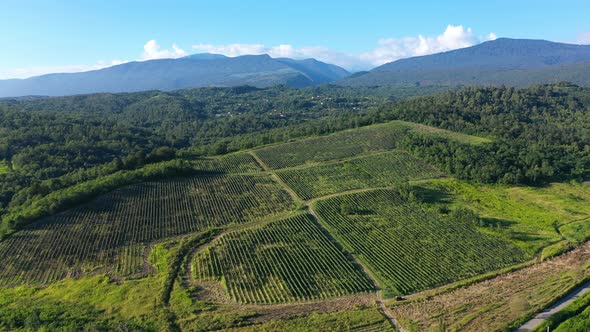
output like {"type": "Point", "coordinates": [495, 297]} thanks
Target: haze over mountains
{"type": "Point", "coordinates": [512, 62]}
{"type": "Point", "coordinates": [193, 71]}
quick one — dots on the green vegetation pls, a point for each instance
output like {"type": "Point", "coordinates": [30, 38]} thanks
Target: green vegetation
{"type": "Point", "coordinates": [341, 145]}
{"type": "Point", "coordinates": [135, 170]}
{"type": "Point", "coordinates": [43, 205]}
{"type": "Point", "coordinates": [499, 304]}
{"type": "Point", "coordinates": [379, 170]}
{"type": "Point", "coordinates": [351, 143]}
{"type": "Point", "coordinates": [577, 323]}
{"type": "Point", "coordinates": [231, 163]}
{"type": "Point", "coordinates": [540, 134]}
{"type": "Point", "coordinates": [282, 261]}
{"type": "Point", "coordinates": [91, 303]}
{"type": "Point", "coordinates": [408, 248]}
{"type": "Point", "coordinates": [530, 217]}
{"type": "Point", "coordinates": [361, 320]}
{"type": "Point", "coordinates": [574, 317]}
{"type": "Point", "coordinates": [111, 233]}
{"type": "Point", "coordinates": [4, 167]}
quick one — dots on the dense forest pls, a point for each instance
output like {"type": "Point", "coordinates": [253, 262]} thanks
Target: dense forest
{"type": "Point", "coordinates": [537, 134]}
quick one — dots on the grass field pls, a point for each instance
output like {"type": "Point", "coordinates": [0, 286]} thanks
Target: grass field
{"type": "Point", "coordinates": [451, 135]}
{"type": "Point", "coordinates": [379, 170]}
{"type": "Point", "coordinates": [527, 216]}
{"type": "Point", "coordinates": [407, 248]}
{"type": "Point", "coordinates": [362, 320]}
{"type": "Point", "coordinates": [574, 317]}
{"type": "Point", "coordinates": [282, 261]}
{"type": "Point", "coordinates": [579, 322]}
{"type": "Point", "coordinates": [113, 231]}
{"type": "Point", "coordinates": [350, 143]}
{"type": "Point", "coordinates": [496, 304]}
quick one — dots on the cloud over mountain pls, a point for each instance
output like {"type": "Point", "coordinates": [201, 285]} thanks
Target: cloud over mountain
{"type": "Point", "coordinates": [389, 49]}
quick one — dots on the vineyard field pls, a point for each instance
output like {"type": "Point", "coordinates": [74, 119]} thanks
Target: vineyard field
{"type": "Point", "coordinates": [341, 145]}
{"type": "Point", "coordinates": [379, 170]}
{"type": "Point", "coordinates": [350, 143]}
{"type": "Point", "coordinates": [282, 261]}
{"type": "Point", "coordinates": [408, 248]}
{"type": "Point", "coordinates": [232, 163]}
{"type": "Point", "coordinates": [114, 230]}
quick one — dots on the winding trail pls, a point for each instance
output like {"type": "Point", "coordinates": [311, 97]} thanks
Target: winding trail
{"type": "Point", "coordinates": [553, 309]}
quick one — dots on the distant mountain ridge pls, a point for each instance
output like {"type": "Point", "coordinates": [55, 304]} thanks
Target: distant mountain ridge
{"type": "Point", "coordinates": [192, 71]}
{"type": "Point", "coordinates": [518, 62]}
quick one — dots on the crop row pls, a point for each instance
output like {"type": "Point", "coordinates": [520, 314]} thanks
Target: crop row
{"type": "Point", "coordinates": [380, 170]}
{"type": "Point", "coordinates": [337, 146]}
{"type": "Point", "coordinates": [231, 163]}
{"type": "Point", "coordinates": [282, 261]}
{"type": "Point", "coordinates": [112, 232]}
{"type": "Point", "coordinates": [408, 248]}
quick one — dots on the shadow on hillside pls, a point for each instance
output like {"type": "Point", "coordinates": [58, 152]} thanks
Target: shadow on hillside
{"type": "Point", "coordinates": [496, 223]}
{"type": "Point", "coordinates": [431, 196]}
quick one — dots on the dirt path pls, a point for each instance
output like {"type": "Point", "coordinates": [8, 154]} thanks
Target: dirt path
{"type": "Point", "coordinates": [553, 309]}
{"type": "Point", "coordinates": [379, 299]}
{"type": "Point", "coordinates": [382, 307]}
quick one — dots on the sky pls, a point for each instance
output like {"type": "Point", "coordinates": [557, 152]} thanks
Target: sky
{"type": "Point", "coordinates": [46, 36]}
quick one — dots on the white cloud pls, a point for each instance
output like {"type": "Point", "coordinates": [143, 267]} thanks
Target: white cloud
{"type": "Point", "coordinates": [282, 51]}
{"type": "Point", "coordinates": [583, 37]}
{"type": "Point", "coordinates": [151, 51]}
{"type": "Point", "coordinates": [389, 49]}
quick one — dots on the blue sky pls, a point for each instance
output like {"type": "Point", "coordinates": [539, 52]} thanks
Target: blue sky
{"type": "Point", "coordinates": [40, 36]}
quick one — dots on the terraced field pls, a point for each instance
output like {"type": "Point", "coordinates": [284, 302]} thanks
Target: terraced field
{"type": "Point", "coordinates": [379, 170]}
{"type": "Point", "coordinates": [111, 233]}
{"type": "Point", "coordinates": [407, 248]}
{"type": "Point", "coordinates": [282, 261]}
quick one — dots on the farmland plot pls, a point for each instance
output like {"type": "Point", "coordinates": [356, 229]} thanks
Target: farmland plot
{"type": "Point", "coordinates": [341, 145]}
{"type": "Point", "coordinates": [379, 170]}
{"type": "Point", "coordinates": [231, 163]}
{"type": "Point", "coordinates": [351, 143]}
{"type": "Point", "coordinates": [282, 261]}
{"type": "Point", "coordinates": [410, 249]}
{"type": "Point", "coordinates": [114, 230]}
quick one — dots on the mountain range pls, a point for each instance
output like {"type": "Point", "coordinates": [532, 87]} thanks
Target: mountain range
{"type": "Point", "coordinates": [513, 62]}
{"type": "Point", "coordinates": [197, 70]}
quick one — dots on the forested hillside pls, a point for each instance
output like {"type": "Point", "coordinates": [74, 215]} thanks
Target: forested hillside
{"type": "Point", "coordinates": [537, 134]}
